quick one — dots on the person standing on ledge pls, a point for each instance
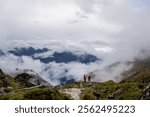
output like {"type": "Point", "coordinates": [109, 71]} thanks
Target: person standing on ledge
{"type": "Point", "coordinates": [84, 77]}
{"type": "Point", "coordinates": [89, 78]}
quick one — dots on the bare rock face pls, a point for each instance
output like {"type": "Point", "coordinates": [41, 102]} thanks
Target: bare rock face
{"type": "Point", "coordinates": [116, 93]}
{"type": "Point", "coordinates": [146, 93]}
{"type": "Point", "coordinates": [3, 79]}
{"type": "Point", "coordinates": [31, 80]}
{"type": "Point", "coordinates": [4, 90]}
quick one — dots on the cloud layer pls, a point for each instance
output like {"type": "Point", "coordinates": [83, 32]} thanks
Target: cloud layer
{"type": "Point", "coordinates": [116, 30]}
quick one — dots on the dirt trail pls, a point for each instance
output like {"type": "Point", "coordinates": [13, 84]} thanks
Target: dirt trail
{"type": "Point", "coordinates": [74, 92]}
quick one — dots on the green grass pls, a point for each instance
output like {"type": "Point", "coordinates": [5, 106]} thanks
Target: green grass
{"type": "Point", "coordinates": [36, 94]}
{"type": "Point", "coordinates": [88, 96]}
{"type": "Point", "coordinates": [130, 90]}
{"type": "Point", "coordinates": [90, 91]}
{"type": "Point", "coordinates": [12, 83]}
{"type": "Point", "coordinates": [1, 83]}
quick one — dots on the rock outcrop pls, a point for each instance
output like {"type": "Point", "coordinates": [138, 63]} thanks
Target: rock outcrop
{"type": "Point", "coordinates": [3, 78]}
{"type": "Point", "coordinates": [30, 80]}
{"type": "Point", "coordinates": [146, 93]}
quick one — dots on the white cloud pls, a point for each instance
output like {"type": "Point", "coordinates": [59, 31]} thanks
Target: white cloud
{"type": "Point", "coordinates": [119, 28]}
{"type": "Point", "coordinates": [51, 72]}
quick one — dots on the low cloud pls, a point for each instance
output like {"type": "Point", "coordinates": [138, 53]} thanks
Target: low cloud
{"type": "Point", "coordinates": [52, 72]}
{"type": "Point", "coordinates": [109, 29]}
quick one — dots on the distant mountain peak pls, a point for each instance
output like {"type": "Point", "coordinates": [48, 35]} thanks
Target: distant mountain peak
{"type": "Point", "coordinates": [58, 57]}
{"type": "Point", "coordinates": [66, 57]}
{"type": "Point", "coordinates": [30, 51]}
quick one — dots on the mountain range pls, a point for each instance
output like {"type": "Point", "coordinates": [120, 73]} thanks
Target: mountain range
{"type": "Point", "coordinates": [58, 57]}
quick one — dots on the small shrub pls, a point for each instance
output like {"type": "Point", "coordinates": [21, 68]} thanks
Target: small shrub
{"type": "Point", "coordinates": [88, 96]}
{"type": "Point", "coordinates": [45, 94]}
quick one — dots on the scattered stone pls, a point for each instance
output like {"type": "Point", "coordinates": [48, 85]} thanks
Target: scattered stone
{"type": "Point", "coordinates": [146, 93]}
{"type": "Point", "coordinates": [73, 92]}
{"type": "Point", "coordinates": [9, 89]}
{"type": "Point", "coordinates": [116, 93]}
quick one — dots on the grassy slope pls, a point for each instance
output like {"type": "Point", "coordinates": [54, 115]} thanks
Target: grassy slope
{"type": "Point", "coordinates": [36, 94]}
{"type": "Point", "coordinates": [103, 90]}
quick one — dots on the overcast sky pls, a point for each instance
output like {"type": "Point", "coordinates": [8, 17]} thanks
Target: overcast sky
{"type": "Point", "coordinates": [119, 27]}
{"type": "Point", "coordinates": [74, 20]}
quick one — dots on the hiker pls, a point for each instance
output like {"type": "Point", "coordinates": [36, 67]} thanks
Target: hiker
{"type": "Point", "coordinates": [89, 78]}
{"type": "Point", "coordinates": [84, 77]}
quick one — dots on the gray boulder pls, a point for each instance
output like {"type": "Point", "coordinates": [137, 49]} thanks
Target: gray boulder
{"type": "Point", "coordinates": [31, 80]}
